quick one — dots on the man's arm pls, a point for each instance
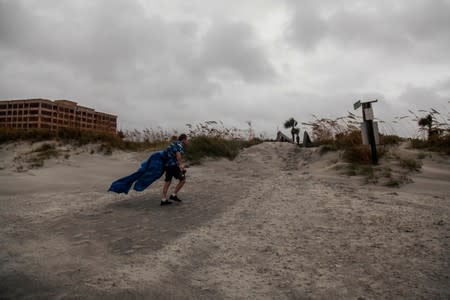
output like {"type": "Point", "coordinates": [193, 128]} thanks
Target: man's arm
{"type": "Point", "coordinates": [180, 162]}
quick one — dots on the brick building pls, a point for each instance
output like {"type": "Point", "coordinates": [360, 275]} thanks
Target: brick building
{"type": "Point", "coordinates": [44, 113]}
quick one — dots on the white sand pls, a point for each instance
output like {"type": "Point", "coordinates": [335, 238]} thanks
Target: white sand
{"type": "Point", "coordinates": [276, 223]}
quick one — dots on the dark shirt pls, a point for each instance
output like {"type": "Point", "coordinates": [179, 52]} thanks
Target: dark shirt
{"type": "Point", "coordinates": [172, 150]}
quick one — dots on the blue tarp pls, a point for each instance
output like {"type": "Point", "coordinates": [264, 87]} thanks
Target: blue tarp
{"type": "Point", "coordinates": [150, 171]}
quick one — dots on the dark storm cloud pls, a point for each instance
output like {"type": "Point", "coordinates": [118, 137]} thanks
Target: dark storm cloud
{"type": "Point", "coordinates": [115, 41]}
{"type": "Point", "coordinates": [400, 28]}
{"type": "Point", "coordinates": [99, 42]}
{"type": "Point", "coordinates": [199, 60]}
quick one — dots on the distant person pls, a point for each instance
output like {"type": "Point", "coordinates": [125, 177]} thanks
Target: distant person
{"type": "Point", "coordinates": [306, 139]}
{"type": "Point", "coordinates": [174, 168]}
{"type": "Point", "coordinates": [298, 138]}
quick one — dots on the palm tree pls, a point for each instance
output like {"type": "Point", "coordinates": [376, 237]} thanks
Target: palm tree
{"type": "Point", "coordinates": [427, 122]}
{"type": "Point", "coordinates": [291, 123]}
{"type": "Point", "coordinates": [296, 132]}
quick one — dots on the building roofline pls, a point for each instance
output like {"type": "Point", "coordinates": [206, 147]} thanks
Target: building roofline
{"type": "Point", "coordinates": [59, 102]}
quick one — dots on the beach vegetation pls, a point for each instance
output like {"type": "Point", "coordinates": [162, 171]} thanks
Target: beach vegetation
{"type": "Point", "coordinates": [210, 146]}
{"type": "Point", "coordinates": [36, 158]}
{"type": "Point", "coordinates": [410, 164]}
{"type": "Point", "coordinates": [207, 139]}
{"type": "Point", "coordinates": [437, 129]}
{"type": "Point", "coordinates": [421, 155]}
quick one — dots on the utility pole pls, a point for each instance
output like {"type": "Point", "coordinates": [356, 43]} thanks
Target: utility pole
{"type": "Point", "coordinates": [368, 127]}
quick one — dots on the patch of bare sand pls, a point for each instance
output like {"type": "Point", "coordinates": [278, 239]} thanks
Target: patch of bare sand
{"type": "Point", "coordinates": [276, 223]}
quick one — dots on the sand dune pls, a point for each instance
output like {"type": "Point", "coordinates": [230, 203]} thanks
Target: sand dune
{"type": "Point", "coordinates": [278, 222]}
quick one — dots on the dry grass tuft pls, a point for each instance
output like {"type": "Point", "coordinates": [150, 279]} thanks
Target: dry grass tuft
{"type": "Point", "coordinates": [210, 138]}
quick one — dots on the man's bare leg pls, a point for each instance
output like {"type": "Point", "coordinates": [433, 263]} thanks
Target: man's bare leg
{"type": "Point", "coordinates": [179, 186]}
{"type": "Point", "coordinates": [165, 189]}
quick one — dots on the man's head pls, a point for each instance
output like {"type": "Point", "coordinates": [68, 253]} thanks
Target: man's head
{"type": "Point", "coordinates": [183, 138]}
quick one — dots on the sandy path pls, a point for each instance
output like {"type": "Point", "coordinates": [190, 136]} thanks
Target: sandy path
{"type": "Point", "coordinates": [273, 224]}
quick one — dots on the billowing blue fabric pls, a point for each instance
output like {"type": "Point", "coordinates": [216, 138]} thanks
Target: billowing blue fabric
{"type": "Point", "coordinates": [150, 171]}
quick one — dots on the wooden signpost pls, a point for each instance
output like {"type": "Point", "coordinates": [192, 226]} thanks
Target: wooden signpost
{"type": "Point", "coordinates": [369, 128]}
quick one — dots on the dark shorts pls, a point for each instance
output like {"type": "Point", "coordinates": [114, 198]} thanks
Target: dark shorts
{"type": "Point", "coordinates": [174, 171]}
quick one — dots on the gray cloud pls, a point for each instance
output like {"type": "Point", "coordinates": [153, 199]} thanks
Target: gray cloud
{"type": "Point", "coordinates": [307, 27]}
{"type": "Point", "coordinates": [170, 63]}
{"type": "Point", "coordinates": [443, 86]}
{"type": "Point", "coordinates": [96, 41]}
{"type": "Point", "coordinates": [422, 98]}
{"type": "Point", "coordinates": [233, 46]}
{"type": "Point", "coordinates": [401, 28]}
{"type": "Point", "coordinates": [166, 59]}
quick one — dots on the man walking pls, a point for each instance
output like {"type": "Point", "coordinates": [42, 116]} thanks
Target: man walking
{"type": "Point", "coordinates": [174, 169]}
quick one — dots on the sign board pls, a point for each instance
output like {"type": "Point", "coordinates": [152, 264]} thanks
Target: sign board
{"type": "Point", "coordinates": [356, 105]}
{"type": "Point", "coordinates": [368, 113]}
{"type": "Point", "coordinates": [365, 133]}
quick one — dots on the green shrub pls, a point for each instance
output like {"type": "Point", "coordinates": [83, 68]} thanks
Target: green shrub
{"type": "Point", "coordinates": [357, 154]}
{"type": "Point", "coordinates": [78, 137]}
{"type": "Point", "coordinates": [351, 144]}
{"type": "Point", "coordinates": [393, 182]}
{"type": "Point", "coordinates": [390, 139]}
{"type": "Point", "coordinates": [348, 139]}
{"type": "Point", "coordinates": [438, 143]}
{"type": "Point", "coordinates": [36, 157]}
{"type": "Point", "coordinates": [36, 163]}
{"type": "Point", "coordinates": [421, 155]}
{"type": "Point", "coordinates": [366, 171]}
{"type": "Point", "coordinates": [206, 146]}
{"type": "Point", "coordinates": [12, 135]}
{"type": "Point", "coordinates": [45, 147]}
{"type": "Point", "coordinates": [46, 151]}
{"type": "Point", "coordinates": [410, 164]}
{"type": "Point", "coordinates": [326, 148]}
{"type": "Point", "coordinates": [106, 149]}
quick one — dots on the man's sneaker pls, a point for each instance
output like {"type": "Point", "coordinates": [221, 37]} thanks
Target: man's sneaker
{"type": "Point", "coordinates": [165, 203]}
{"type": "Point", "coordinates": [174, 198]}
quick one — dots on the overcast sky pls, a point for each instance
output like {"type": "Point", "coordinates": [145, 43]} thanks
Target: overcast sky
{"type": "Point", "coordinates": [167, 63]}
